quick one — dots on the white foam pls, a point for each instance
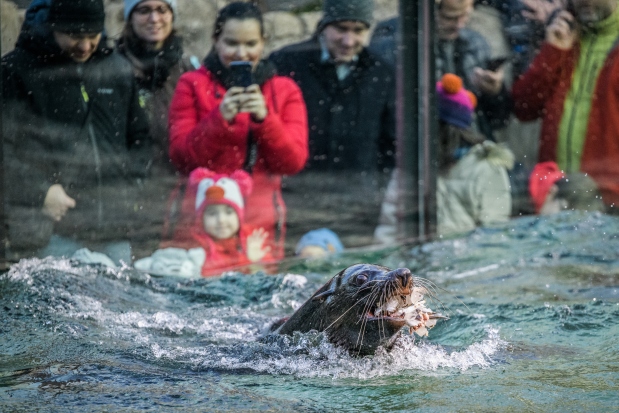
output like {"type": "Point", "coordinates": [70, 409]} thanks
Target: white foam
{"type": "Point", "coordinates": [312, 356]}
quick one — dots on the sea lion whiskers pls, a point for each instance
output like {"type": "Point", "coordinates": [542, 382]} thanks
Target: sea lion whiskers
{"type": "Point", "coordinates": [368, 285]}
{"type": "Point", "coordinates": [428, 285]}
{"type": "Point", "coordinates": [365, 306]}
{"type": "Point", "coordinates": [384, 293]}
{"type": "Point", "coordinates": [377, 294]}
{"type": "Point", "coordinates": [432, 292]}
{"type": "Point", "coordinates": [344, 313]}
{"type": "Point", "coordinates": [373, 298]}
{"type": "Point", "coordinates": [363, 320]}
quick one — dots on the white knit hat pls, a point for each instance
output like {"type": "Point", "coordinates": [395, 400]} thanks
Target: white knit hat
{"type": "Point", "coordinates": [130, 5]}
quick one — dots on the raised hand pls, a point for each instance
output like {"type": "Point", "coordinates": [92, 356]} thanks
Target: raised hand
{"type": "Point", "coordinates": [487, 81]}
{"type": "Point", "coordinates": [562, 32]}
{"type": "Point", "coordinates": [255, 245]}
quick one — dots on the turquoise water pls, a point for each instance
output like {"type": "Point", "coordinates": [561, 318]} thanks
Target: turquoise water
{"type": "Point", "coordinates": [534, 326]}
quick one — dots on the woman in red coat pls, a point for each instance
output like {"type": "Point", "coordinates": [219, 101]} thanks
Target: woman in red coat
{"type": "Point", "coordinates": [261, 128]}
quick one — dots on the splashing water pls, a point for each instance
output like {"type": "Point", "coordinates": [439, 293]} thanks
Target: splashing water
{"type": "Point", "coordinates": [530, 303]}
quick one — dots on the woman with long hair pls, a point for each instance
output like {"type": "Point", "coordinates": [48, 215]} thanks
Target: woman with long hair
{"type": "Point", "coordinates": [224, 126]}
{"type": "Point", "coordinates": [150, 42]}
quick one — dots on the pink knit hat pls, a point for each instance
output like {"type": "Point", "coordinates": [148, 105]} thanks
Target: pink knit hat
{"type": "Point", "coordinates": [542, 178]}
{"type": "Point", "coordinates": [216, 189]}
{"type": "Point", "coordinates": [455, 103]}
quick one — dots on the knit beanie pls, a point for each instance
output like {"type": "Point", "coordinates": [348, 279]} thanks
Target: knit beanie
{"type": "Point", "coordinates": [455, 103]}
{"type": "Point", "coordinates": [542, 178]}
{"type": "Point", "coordinates": [220, 189]}
{"type": "Point", "coordinates": [323, 238]}
{"type": "Point", "coordinates": [77, 16]}
{"type": "Point", "coordinates": [339, 10]}
{"type": "Point", "coordinates": [130, 5]}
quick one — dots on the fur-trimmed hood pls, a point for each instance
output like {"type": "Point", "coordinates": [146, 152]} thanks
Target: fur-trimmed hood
{"type": "Point", "coordinates": [496, 153]}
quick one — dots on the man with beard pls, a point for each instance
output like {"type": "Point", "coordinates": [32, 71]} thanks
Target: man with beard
{"type": "Point", "coordinates": [572, 85]}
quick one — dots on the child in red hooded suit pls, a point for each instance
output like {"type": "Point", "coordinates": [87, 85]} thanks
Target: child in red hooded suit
{"type": "Point", "coordinates": [219, 222]}
{"type": "Point", "coordinates": [219, 240]}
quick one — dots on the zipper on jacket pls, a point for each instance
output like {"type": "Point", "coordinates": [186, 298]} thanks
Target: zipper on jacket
{"type": "Point", "coordinates": [95, 148]}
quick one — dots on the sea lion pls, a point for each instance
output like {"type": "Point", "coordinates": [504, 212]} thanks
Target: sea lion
{"type": "Point", "coordinates": [364, 306]}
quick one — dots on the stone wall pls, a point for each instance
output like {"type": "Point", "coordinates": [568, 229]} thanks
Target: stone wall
{"type": "Point", "coordinates": [195, 20]}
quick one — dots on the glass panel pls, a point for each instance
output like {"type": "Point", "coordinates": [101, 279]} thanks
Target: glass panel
{"type": "Point", "coordinates": [99, 146]}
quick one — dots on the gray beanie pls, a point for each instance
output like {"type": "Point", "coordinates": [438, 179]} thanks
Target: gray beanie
{"type": "Point", "coordinates": [130, 5]}
{"type": "Point", "coordinates": [338, 10]}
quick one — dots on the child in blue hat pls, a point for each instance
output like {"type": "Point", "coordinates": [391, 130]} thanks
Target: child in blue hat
{"type": "Point", "coordinates": [319, 243]}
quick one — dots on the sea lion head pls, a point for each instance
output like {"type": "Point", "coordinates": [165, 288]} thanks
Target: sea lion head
{"type": "Point", "coordinates": [360, 308]}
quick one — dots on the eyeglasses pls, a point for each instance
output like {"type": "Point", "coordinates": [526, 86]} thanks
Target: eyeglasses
{"type": "Point", "coordinates": [145, 11]}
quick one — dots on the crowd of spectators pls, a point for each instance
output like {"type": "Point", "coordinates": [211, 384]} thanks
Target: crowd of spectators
{"type": "Point", "coordinates": [215, 164]}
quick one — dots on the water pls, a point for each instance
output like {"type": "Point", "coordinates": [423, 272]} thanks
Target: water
{"type": "Point", "coordinates": [534, 326]}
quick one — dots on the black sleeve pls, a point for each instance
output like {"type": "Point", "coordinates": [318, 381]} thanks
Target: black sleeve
{"type": "Point", "coordinates": [139, 139]}
{"type": "Point", "coordinates": [388, 127]}
{"type": "Point", "coordinates": [497, 109]}
{"type": "Point", "coordinates": [26, 181]}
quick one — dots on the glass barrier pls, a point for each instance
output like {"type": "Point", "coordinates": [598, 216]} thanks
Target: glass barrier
{"type": "Point", "coordinates": [153, 146]}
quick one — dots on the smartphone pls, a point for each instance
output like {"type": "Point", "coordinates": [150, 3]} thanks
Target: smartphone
{"type": "Point", "coordinates": [241, 73]}
{"type": "Point", "coordinates": [495, 64]}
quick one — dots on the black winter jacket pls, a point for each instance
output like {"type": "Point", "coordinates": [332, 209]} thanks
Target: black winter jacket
{"type": "Point", "coordinates": [351, 138]}
{"type": "Point", "coordinates": [470, 50]}
{"type": "Point", "coordinates": [78, 125]}
{"type": "Point", "coordinates": [352, 122]}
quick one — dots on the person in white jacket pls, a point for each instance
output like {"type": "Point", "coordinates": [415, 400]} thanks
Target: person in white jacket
{"type": "Point", "coordinates": [473, 187]}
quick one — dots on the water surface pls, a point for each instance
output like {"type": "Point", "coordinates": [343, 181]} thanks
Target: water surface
{"type": "Point", "coordinates": [534, 307]}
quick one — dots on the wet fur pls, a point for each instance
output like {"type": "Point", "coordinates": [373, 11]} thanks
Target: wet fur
{"type": "Point", "coordinates": [339, 308]}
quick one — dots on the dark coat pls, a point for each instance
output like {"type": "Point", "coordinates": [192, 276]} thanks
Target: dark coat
{"type": "Point", "coordinates": [156, 74]}
{"type": "Point", "coordinates": [352, 141]}
{"type": "Point", "coordinates": [156, 94]}
{"type": "Point", "coordinates": [78, 125]}
{"type": "Point", "coordinates": [352, 122]}
{"type": "Point", "coordinates": [470, 51]}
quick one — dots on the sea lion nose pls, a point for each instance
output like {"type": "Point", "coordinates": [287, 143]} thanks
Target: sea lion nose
{"type": "Point", "coordinates": [404, 275]}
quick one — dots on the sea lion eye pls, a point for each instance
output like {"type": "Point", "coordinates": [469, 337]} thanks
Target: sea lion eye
{"type": "Point", "coordinates": [361, 279]}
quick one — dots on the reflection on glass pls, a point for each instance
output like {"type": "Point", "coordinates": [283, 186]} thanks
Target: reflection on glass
{"type": "Point", "coordinates": [99, 145]}
{"type": "Point", "coordinates": [349, 93]}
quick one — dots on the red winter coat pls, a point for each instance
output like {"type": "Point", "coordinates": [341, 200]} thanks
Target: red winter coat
{"type": "Point", "coordinates": [200, 136]}
{"type": "Point", "coordinates": [541, 92]}
{"type": "Point", "coordinates": [227, 255]}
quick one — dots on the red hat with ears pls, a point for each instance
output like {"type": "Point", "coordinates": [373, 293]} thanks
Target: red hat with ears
{"type": "Point", "coordinates": [220, 189]}
{"type": "Point", "coordinates": [542, 178]}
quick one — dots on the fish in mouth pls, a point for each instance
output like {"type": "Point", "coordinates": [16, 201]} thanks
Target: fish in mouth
{"type": "Point", "coordinates": [366, 306]}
